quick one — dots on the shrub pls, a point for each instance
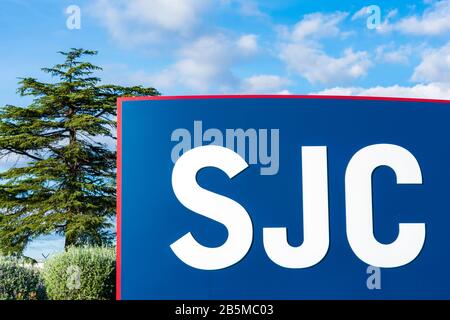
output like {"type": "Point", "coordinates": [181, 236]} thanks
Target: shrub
{"type": "Point", "coordinates": [20, 281]}
{"type": "Point", "coordinates": [81, 274]}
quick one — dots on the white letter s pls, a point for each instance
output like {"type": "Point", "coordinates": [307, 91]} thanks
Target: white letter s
{"type": "Point", "coordinates": [211, 205]}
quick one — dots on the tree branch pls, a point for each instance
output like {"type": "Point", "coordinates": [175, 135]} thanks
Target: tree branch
{"type": "Point", "coordinates": [52, 133]}
{"type": "Point", "coordinates": [24, 153]}
{"type": "Point", "coordinates": [100, 113]}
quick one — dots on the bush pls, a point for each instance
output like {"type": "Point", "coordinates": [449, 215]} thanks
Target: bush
{"type": "Point", "coordinates": [81, 274]}
{"type": "Point", "coordinates": [20, 281]}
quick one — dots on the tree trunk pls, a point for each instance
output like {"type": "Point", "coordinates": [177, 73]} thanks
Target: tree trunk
{"type": "Point", "coordinates": [70, 241]}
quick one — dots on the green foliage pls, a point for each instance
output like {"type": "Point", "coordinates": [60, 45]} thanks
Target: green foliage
{"type": "Point", "coordinates": [20, 281]}
{"type": "Point", "coordinates": [68, 183]}
{"type": "Point", "coordinates": [81, 274]}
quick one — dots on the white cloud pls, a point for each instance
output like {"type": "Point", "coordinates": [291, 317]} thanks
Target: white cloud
{"type": "Point", "coordinates": [136, 21]}
{"type": "Point", "coordinates": [302, 53]}
{"type": "Point", "coordinates": [316, 66]}
{"type": "Point", "coordinates": [427, 91]}
{"type": "Point", "coordinates": [251, 9]}
{"type": "Point", "coordinates": [248, 44]}
{"type": "Point", "coordinates": [434, 21]}
{"type": "Point", "coordinates": [388, 54]}
{"type": "Point", "coordinates": [264, 83]}
{"type": "Point", "coordinates": [318, 25]}
{"type": "Point", "coordinates": [247, 8]}
{"type": "Point", "coordinates": [435, 66]}
{"type": "Point", "coordinates": [361, 13]}
{"type": "Point", "coordinates": [391, 14]}
{"type": "Point", "coordinates": [205, 65]}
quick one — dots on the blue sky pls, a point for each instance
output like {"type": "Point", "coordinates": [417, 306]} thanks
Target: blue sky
{"type": "Point", "coordinates": [236, 46]}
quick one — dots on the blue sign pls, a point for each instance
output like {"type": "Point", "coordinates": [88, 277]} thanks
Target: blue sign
{"type": "Point", "coordinates": [283, 197]}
